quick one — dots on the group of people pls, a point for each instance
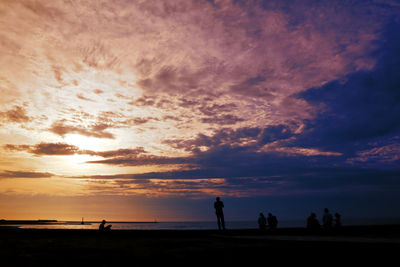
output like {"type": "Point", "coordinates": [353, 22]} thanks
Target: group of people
{"type": "Point", "coordinates": [327, 221]}
{"type": "Point", "coordinates": [272, 221]}
{"type": "Point", "coordinates": [312, 222]}
{"type": "Point", "coordinates": [262, 220]}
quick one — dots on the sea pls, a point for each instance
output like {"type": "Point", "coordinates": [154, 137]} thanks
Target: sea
{"type": "Point", "coordinates": [204, 225]}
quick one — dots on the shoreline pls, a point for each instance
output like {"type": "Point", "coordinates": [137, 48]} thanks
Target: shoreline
{"type": "Point", "coordinates": [389, 230]}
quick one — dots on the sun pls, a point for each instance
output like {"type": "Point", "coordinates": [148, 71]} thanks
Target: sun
{"type": "Point", "coordinates": [83, 142]}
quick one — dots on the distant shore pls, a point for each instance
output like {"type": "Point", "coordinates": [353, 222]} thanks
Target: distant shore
{"type": "Point", "coordinates": [39, 222]}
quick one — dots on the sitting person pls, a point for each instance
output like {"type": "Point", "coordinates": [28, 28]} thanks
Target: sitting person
{"type": "Point", "coordinates": [262, 222]}
{"type": "Point", "coordinates": [272, 221]}
{"type": "Point", "coordinates": [312, 222]}
{"type": "Point", "coordinates": [338, 220]}
{"type": "Point", "coordinates": [102, 226]}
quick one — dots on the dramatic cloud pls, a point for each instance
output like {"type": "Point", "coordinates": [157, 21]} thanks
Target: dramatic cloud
{"type": "Point", "coordinates": [196, 98]}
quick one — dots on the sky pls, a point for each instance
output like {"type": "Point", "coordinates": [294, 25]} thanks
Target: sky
{"type": "Point", "coordinates": [143, 110]}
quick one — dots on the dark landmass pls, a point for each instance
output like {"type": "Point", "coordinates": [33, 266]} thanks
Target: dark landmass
{"type": "Point", "coordinates": [45, 247]}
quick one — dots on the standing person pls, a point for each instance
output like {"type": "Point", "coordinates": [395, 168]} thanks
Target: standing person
{"type": "Point", "coordinates": [272, 221]}
{"type": "Point", "coordinates": [219, 205]}
{"type": "Point", "coordinates": [262, 222]}
{"type": "Point", "coordinates": [327, 219]}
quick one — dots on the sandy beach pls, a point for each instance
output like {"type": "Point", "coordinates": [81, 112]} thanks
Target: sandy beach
{"type": "Point", "coordinates": [34, 247]}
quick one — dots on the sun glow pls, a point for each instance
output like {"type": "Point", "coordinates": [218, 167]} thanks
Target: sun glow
{"type": "Point", "coordinates": [84, 142]}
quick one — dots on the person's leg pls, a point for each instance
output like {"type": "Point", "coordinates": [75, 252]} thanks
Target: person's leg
{"type": "Point", "coordinates": [219, 221]}
{"type": "Point", "coordinates": [222, 221]}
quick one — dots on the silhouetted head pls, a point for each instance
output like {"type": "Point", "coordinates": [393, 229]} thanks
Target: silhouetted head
{"type": "Point", "coordinates": [337, 215]}
{"type": "Point", "coordinates": [313, 214]}
{"type": "Point", "coordinates": [104, 221]}
{"type": "Point", "coordinates": [269, 214]}
{"type": "Point", "coordinates": [217, 198]}
{"type": "Point", "coordinates": [326, 210]}
{"type": "Point", "coordinates": [261, 214]}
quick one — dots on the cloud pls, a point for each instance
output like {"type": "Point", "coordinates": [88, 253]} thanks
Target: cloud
{"type": "Point", "coordinates": [144, 160]}
{"type": "Point", "coordinates": [362, 108]}
{"type": "Point", "coordinates": [95, 130]}
{"type": "Point", "coordinates": [215, 109]}
{"type": "Point", "coordinates": [274, 133]}
{"type": "Point", "coordinates": [23, 174]}
{"type": "Point", "coordinates": [11, 147]}
{"type": "Point", "coordinates": [222, 119]}
{"type": "Point", "coordinates": [45, 149]}
{"type": "Point", "coordinates": [381, 154]}
{"type": "Point", "coordinates": [143, 101]}
{"type": "Point", "coordinates": [120, 152]}
{"type": "Point", "coordinates": [82, 97]}
{"type": "Point", "coordinates": [54, 149]}
{"type": "Point", "coordinates": [194, 183]}
{"type": "Point", "coordinates": [16, 115]}
{"type": "Point", "coordinates": [98, 91]}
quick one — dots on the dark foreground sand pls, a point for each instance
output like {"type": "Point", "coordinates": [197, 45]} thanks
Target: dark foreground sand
{"type": "Point", "coordinates": [371, 244]}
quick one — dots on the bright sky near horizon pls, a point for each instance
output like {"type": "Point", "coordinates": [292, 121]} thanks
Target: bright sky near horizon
{"type": "Point", "coordinates": [133, 110]}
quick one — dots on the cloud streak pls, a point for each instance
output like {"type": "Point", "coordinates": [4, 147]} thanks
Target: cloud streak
{"type": "Point", "coordinates": [24, 174]}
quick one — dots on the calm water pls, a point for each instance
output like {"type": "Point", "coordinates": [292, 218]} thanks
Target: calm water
{"type": "Point", "coordinates": [195, 225]}
{"type": "Point", "coordinates": [148, 226]}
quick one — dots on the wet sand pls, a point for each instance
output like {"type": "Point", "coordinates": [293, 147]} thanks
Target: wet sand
{"type": "Point", "coordinates": [34, 247]}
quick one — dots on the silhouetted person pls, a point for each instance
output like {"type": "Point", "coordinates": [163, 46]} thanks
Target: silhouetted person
{"type": "Point", "coordinates": [102, 226]}
{"type": "Point", "coordinates": [272, 221]}
{"type": "Point", "coordinates": [262, 222]}
{"type": "Point", "coordinates": [312, 222]}
{"type": "Point", "coordinates": [327, 219]}
{"type": "Point", "coordinates": [338, 220]}
{"type": "Point", "coordinates": [219, 205]}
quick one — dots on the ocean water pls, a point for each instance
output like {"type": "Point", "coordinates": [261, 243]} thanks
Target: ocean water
{"type": "Point", "coordinates": [147, 226]}
{"type": "Point", "coordinates": [209, 225]}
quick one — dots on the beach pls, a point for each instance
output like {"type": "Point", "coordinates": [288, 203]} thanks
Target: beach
{"type": "Point", "coordinates": [48, 247]}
